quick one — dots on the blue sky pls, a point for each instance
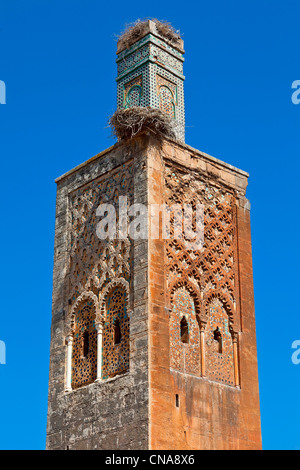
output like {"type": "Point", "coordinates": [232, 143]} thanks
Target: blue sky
{"type": "Point", "coordinates": [58, 64]}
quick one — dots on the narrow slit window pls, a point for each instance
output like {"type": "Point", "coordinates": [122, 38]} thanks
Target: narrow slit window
{"type": "Point", "coordinates": [177, 400]}
{"type": "Point", "coordinates": [218, 339]}
{"type": "Point", "coordinates": [85, 344]}
{"type": "Point", "coordinates": [184, 331]}
{"type": "Point", "coordinates": [117, 332]}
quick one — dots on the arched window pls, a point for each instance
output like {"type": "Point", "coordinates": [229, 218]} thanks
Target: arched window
{"type": "Point", "coordinates": [184, 333]}
{"type": "Point", "coordinates": [84, 353]}
{"type": "Point", "coordinates": [218, 344]}
{"type": "Point", "coordinates": [116, 333]}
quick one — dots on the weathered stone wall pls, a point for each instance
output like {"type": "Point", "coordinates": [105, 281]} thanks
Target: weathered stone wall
{"type": "Point", "coordinates": [202, 406]}
{"type": "Point", "coordinates": [112, 414]}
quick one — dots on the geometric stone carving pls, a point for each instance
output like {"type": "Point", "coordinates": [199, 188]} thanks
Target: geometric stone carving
{"type": "Point", "coordinates": [99, 273]}
{"type": "Point", "coordinates": [84, 354]}
{"type": "Point", "coordinates": [219, 365]}
{"type": "Point", "coordinates": [184, 356]}
{"type": "Point", "coordinates": [207, 274]}
{"type": "Point", "coordinates": [116, 354]}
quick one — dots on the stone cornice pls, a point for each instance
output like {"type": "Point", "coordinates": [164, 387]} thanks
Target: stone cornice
{"type": "Point", "coordinates": [194, 154]}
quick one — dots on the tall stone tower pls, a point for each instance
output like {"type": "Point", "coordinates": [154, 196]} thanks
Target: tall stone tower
{"type": "Point", "coordinates": [153, 341]}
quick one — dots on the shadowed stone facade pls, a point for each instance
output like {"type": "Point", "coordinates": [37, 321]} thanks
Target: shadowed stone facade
{"type": "Point", "coordinates": [113, 413]}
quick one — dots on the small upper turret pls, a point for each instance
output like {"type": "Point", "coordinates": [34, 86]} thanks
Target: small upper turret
{"type": "Point", "coordinates": [150, 70]}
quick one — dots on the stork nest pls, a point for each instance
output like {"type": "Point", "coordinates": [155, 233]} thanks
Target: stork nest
{"type": "Point", "coordinates": [126, 123]}
{"type": "Point", "coordinates": [136, 30]}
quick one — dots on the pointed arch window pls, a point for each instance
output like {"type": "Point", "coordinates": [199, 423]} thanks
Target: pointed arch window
{"type": "Point", "coordinates": [219, 354]}
{"type": "Point", "coordinates": [84, 351]}
{"type": "Point", "coordinates": [116, 333]}
{"type": "Point", "coordinates": [184, 333]}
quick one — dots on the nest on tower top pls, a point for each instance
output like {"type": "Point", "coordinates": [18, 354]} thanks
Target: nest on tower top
{"type": "Point", "coordinates": [126, 123]}
{"type": "Point", "coordinates": [137, 30]}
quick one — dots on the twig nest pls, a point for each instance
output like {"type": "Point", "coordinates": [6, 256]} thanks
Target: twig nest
{"type": "Point", "coordinates": [126, 123]}
{"type": "Point", "coordinates": [135, 31]}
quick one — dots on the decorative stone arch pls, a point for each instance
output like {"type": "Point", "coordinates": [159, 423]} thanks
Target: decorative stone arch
{"type": "Point", "coordinates": [117, 282]}
{"type": "Point", "coordinates": [183, 282]}
{"type": "Point", "coordinates": [185, 349]}
{"type": "Point", "coordinates": [114, 300]}
{"type": "Point", "coordinates": [85, 296]}
{"type": "Point", "coordinates": [167, 102]}
{"type": "Point", "coordinates": [91, 364]}
{"type": "Point", "coordinates": [221, 366]}
{"type": "Point", "coordinates": [136, 101]}
{"type": "Point", "coordinates": [195, 279]}
{"type": "Point", "coordinates": [227, 304]}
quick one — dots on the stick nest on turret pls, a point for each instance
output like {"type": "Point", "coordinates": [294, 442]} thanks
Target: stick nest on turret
{"type": "Point", "coordinates": [126, 123]}
{"type": "Point", "coordinates": [136, 30]}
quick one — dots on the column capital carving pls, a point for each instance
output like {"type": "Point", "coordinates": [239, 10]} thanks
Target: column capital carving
{"type": "Point", "coordinates": [168, 311]}
{"type": "Point", "coordinates": [202, 323]}
{"type": "Point", "coordinates": [235, 336]}
{"type": "Point", "coordinates": [99, 326]}
{"type": "Point", "coordinates": [69, 338]}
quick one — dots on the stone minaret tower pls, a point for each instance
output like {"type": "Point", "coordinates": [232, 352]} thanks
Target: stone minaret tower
{"type": "Point", "coordinates": [153, 343]}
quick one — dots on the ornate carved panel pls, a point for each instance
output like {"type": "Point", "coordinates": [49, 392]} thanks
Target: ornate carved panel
{"type": "Point", "coordinates": [184, 352]}
{"type": "Point", "coordinates": [116, 352]}
{"type": "Point", "coordinates": [133, 92]}
{"type": "Point", "coordinates": [95, 263]}
{"type": "Point", "coordinates": [166, 91]}
{"type": "Point", "coordinates": [219, 347]}
{"type": "Point", "coordinates": [210, 272]}
{"type": "Point", "coordinates": [84, 358]}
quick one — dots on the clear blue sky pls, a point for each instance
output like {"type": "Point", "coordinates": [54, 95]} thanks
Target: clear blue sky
{"type": "Point", "coordinates": [58, 63]}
